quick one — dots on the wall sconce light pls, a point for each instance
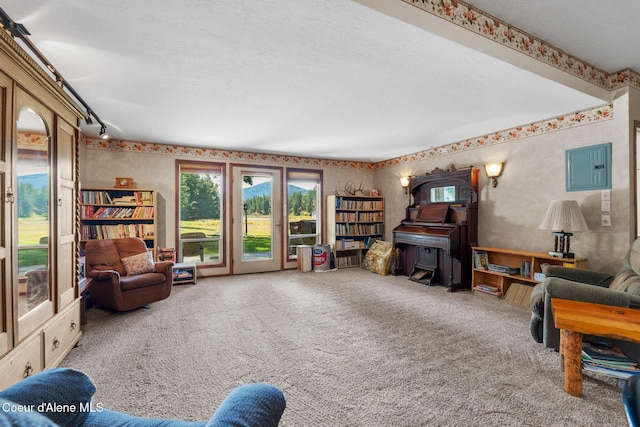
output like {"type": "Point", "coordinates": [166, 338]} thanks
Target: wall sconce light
{"type": "Point", "coordinates": [404, 182]}
{"type": "Point", "coordinates": [494, 170]}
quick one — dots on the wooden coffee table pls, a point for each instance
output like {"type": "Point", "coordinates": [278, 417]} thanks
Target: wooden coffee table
{"type": "Point", "coordinates": [575, 318]}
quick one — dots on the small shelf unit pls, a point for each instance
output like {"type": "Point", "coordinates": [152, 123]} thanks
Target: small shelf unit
{"type": "Point", "coordinates": [353, 224]}
{"type": "Point", "coordinates": [111, 213]}
{"type": "Point", "coordinates": [185, 272]}
{"type": "Point", "coordinates": [515, 259]}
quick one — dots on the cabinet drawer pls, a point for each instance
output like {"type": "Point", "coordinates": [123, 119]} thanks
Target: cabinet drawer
{"type": "Point", "coordinates": [25, 360]}
{"type": "Point", "coordinates": [61, 334]}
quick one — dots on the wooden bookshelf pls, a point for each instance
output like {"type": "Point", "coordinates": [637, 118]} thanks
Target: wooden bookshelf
{"type": "Point", "coordinates": [514, 259]}
{"type": "Point", "coordinates": [112, 213]}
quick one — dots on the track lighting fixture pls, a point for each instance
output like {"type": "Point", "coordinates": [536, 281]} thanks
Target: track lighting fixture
{"type": "Point", "coordinates": [19, 31]}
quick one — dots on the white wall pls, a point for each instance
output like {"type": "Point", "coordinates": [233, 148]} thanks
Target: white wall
{"type": "Point", "coordinates": [533, 175]}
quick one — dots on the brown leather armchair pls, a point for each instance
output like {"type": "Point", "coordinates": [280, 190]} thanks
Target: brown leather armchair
{"type": "Point", "coordinates": [112, 287]}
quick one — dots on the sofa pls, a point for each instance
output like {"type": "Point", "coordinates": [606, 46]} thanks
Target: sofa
{"type": "Point", "coordinates": [63, 397]}
{"type": "Point", "coordinates": [621, 290]}
{"type": "Point", "coordinates": [124, 275]}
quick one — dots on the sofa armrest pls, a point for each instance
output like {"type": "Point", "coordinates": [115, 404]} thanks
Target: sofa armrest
{"type": "Point", "coordinates": [163, 267]}
{"type": "Point", "coordinates": [589, 277]}
{"type": "Point", "coordinates": [566, 289]}
{"type": "Point", "coordinates": [104, 275]}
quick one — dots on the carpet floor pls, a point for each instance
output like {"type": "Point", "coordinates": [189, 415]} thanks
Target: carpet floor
{"type": "Point", "coordinates": [347, 348]}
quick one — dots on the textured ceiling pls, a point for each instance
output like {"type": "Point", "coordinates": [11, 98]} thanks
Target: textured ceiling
{"type": "Point", "coordinates": [329, 79]}
{"type": "Point", "coordinates": [600, 33]}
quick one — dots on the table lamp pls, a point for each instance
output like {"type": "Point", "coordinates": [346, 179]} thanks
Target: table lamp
{"type": "Point", "coordinates": [563, 217]}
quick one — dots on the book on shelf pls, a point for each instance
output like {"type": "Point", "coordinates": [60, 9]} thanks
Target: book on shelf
{"type": "Point", "coordinates": [481, 260]}
{"type": "Point", "coordinates": [519, 294]}
{"type": "Point", "coordinates": [525, 268]}
{"type": "Point", "coordinates": [486, 289]}
{"type": "Point", "coordinates": [504, 269]}
{"type": "Point", "coordinates": [124, 200]}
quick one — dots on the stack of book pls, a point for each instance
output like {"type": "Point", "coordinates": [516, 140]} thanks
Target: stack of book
{"type": "Point", "coordinates": [504, 269]}
{"type": "Point", "coordinates": [166, 254]}
{"type": "Point", "coordinates": [488, 290]}
{"type": "Point", "coordinates": [606, 359]}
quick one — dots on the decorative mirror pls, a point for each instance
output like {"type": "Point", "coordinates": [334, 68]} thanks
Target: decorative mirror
{"type": "Point", "coordinates": [443, 194]}
{"type": "Point", "coordinates": [32, 196]}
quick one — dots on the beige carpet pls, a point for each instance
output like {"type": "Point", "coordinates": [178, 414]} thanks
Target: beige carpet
{"type": "Point", "coordinates": [347, 347]}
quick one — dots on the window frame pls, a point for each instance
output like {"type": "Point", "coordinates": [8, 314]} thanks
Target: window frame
{"type": "Point", "coordinates": [192, 166]}
{"type": "Point", "coordinates": [293, 175]}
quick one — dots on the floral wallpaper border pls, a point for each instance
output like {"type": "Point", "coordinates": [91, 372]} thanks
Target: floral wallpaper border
{"type": "Point", "coordinates": [579, 118]}
{"type": "Point", "coordinates": [34, 141]}
{"type": "Point", "coordinates": [222, 155]}
{"type": "Point", "coordinates": [467, 16]}
{"type": "Point", "coordinates": [583, 117]}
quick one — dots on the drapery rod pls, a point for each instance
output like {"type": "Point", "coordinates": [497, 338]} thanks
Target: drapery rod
{"type": "Point", "coordinates": [18, 30]}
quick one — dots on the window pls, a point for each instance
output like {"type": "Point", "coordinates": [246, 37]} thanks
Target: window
{"type": "Point", "coordinates": [200, 208]}
{"type": "Point", "coordinates": [303, 208]}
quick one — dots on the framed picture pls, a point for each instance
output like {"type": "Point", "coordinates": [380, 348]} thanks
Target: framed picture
{"type": "Point", "coordinates": [375, 192]}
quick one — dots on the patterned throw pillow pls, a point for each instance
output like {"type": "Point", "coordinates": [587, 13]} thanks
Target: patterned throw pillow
{"type": "Point", "coordinates": [138, 264]}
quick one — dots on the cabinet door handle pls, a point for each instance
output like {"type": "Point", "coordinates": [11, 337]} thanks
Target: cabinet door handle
{"type": "Point", "coordinates": [60, 202]}
{"type": "Point", "coordinates": [73, 325]}
{"type": "Point", "coordinates": [9, 195]}
{"type": "Point", "coordinates": [55, 343]}
{"type": "Point", "coordinates": [28, 370]}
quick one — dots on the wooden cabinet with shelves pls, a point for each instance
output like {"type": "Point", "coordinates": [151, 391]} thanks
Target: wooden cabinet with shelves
{"type": "Point", "coordinates": [514, 259]}
{"type": "Point", "coordinates": [353, 223]}
{"type": "Point", "coordinates": [38, 250]}
{"type": "Point", "coordinates": [111, 213]}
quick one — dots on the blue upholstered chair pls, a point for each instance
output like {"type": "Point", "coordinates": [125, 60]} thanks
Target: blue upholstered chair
{"type": "Point", "coordinates": [62, 397]}
{"type": "Point", "coordinates": [631, 399]}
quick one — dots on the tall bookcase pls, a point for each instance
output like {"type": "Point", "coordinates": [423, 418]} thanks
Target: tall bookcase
{"type": "Point", "coordinates": [111, 213]}
{"type": "Point", "coordinates": [353, 223]}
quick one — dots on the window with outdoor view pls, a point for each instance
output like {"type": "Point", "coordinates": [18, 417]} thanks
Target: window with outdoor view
{"type": "Point", "coordinates": [201, 206]}
{"type": "Point", "coordinates": [303, 207]}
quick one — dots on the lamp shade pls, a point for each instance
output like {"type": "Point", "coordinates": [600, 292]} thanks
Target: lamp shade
{"type": "Point", "coordinates": [563, 215]}
{"type": "Point", "coordinates": [493, 170]}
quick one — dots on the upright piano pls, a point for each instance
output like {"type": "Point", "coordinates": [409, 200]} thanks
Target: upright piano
{"type": "Point", "coordinates": [433, 242]}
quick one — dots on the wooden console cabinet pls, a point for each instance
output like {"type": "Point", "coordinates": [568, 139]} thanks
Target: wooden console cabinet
{"type": "Point", "coordinates": [515, 259]}
{"type": "Point", "coordinates": [39, 304]}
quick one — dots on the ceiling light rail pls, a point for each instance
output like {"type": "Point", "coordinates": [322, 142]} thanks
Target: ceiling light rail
{"type": "Point", "coordinates": [20, 31]}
